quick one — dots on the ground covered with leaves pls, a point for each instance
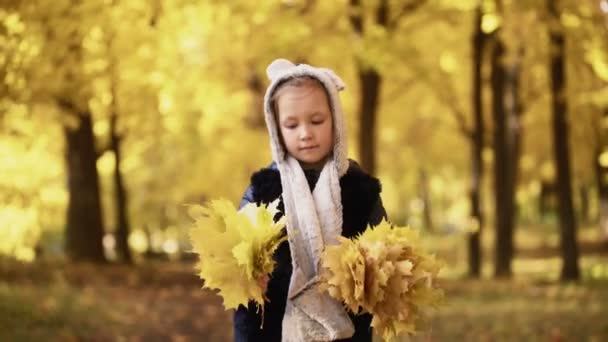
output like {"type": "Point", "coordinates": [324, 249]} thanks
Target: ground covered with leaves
{"type": "Point", "coordinates": [165, 302]}
{"type": "Point", "coordinates": [83, 302]}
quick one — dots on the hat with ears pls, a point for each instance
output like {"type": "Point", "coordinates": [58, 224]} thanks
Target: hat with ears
{"type": "Point", "coordinates": [281, 70]}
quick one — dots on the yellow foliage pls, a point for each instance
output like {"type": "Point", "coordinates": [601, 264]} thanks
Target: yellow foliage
{"type": "Point", "coordinates": [384, 272]}
{"type": "Point", "coordinates": [490, 22]}
{"type": "Point", "coordinates": [20, 232]}
{"type": "Point", "coordinates": [235, 248]}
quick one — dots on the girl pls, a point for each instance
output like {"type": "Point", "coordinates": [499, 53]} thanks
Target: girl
{"type": "Point", "coordinates": [323, 195]}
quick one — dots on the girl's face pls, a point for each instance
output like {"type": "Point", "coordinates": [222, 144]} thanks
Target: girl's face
{"type": "Point", "coordinates": [305, 123]}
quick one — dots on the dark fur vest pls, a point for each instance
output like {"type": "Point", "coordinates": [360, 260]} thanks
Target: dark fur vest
{"type": "Point", "coordinates": [361, 206]}
{"type": "Point", "coordinates": [360, 195]}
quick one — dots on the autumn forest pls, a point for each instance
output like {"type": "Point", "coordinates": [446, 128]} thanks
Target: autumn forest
{"type": "Point", "coordinates": [485, 120]}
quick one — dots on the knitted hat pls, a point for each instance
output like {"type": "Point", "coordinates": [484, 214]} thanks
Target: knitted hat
{"type": "Point", "coordinates": [281, 70]}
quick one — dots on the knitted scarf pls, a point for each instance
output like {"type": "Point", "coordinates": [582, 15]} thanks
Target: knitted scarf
{"type": "Point", "coordinates": [314, 219]}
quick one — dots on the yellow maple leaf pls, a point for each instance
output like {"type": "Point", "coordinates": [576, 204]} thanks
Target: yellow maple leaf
{"type": "Point", "coordinates": [235, 248]}
{"type": "Point", "coordinates": [383, 272]}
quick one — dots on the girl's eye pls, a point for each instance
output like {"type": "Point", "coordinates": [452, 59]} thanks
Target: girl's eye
{"type": "Point", "coordinates": [317, 122]}
{"type": "Point", "coordinates": [291, 126]}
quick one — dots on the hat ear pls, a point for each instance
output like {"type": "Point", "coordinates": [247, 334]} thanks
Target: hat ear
{"type": "Point", "coordinates": [336, 80]}
{"type": "Point", "coordinates": [278, 67]}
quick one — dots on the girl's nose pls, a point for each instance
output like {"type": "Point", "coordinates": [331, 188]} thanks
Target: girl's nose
{"type": "Point", "coordinates": [305, 132]}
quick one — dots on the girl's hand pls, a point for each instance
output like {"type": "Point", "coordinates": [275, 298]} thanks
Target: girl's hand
{"type": "Point", "coordinates": [263, 282]}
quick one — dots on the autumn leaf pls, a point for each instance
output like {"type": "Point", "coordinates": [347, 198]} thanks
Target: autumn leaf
{"type": "Point", "coordinates": [383, 272]}
{"type": "Point", "coordinates": [235, 248]}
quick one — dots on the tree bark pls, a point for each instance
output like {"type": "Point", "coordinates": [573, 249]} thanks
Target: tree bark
{"type": "Point", "coordinates": [121, 202]}
{"type": "Point", "coordinates": [503, 185]}
{"type": "Point", "coordinates": [601, 177]}
{"type": "Point", "coordinates": [569, 247]}
{"type": "Point", "coordinates": [424, 193]}
{"type": "Point", "coordinates": [514, 127]}
{"type": "Point", "coordinates": [474, 243]}
{"type": "Point", "coordinates": [546, 198]}
{"type": "Point", "coordinates": [120, 192]}
{"type": "Point", "coordinates": [601, 174]}
{"type": "Point", "coordinates": [370, 82]}
{"type": "Point", "coordinates": [584, 194]}
{"type": "Point", "coordinates": [84, 229]}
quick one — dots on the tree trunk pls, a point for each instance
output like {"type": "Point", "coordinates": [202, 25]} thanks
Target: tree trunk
{"type": "Point", "coordinates": [370, 82]}
{"type": "Point", "coordinates": [503, 185]}
{"type": "Point", "coordinates": [514, 127]}
{"type": "Point", "coordinates": [601, 177]}
{"type": "Point", "coordinates": [570, 269]}
{"type": "Point", "coordinates": [425, 195]}
{"type": "Point", "coordinates": [84, 230]}
{"type": "Point", "coordinates": [255, 117]}
{"type": "Point", "coordinates": [546, 198]}
{"type": "Point", "coordinates": [584, 194]}
{"type": "Point", "coordinates": [476, 151]}
{"type": "Point", "coordinates": [514, 110]}
{"type": "Point", "coordinates": [120, 193]}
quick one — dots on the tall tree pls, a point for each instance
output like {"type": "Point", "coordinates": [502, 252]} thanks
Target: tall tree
{"type": "Point", "coordinates": [425, 194]}
{"type": "Point", "coordinates": [84, 226]}
{"type": "Point", "coordinates": [502, 183]}
{"type": "Point", "coordinates": [601, 174]}
{"type": "Point", "coordinates": [567, 221]}
{"type": "Point", "coordinates": [370, 79]}
{"type": "Point", "coordinates": [45, 73]}
{"type": "Point", "coordinates": [120, 191]}
{"type": "Point", "coordinates": [369, 82]}
{"type": "Point", "coordinates": [64, 55]}
{"type": "Point", "coordinates": [505, 146]}
{"type": "Point", "coordinates": [476, 138]}
{"type": "Point", "coordinates": [121, 203]}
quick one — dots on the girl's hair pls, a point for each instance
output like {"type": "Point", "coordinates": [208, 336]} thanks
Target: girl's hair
{"type": "Point", "coordinates": [295, 81]}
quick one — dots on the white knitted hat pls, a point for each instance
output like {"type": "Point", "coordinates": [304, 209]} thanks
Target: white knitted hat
{"type": "Point", "coordinates": [281, 70]}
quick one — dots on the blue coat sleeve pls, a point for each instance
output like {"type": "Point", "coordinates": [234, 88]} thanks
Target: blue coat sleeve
{"type": "Point", "coordinates": [246, 320]}
{"type": "Point", "coordinates": [247, 197]}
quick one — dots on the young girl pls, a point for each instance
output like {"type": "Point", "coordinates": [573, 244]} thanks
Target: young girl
{"type": "Point", "coordinates": [323, 195]}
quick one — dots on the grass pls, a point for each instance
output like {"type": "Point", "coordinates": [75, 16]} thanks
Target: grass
{"type": "Point", "coordinates": [164, 302]}
{"type": "Point", "coordinates": [483, 310]}
{"type": "Point", "coordinates": [536, 255]}
{"type": "Point", "coordinates": [533, 305]}
{"type": "Point", "coordinates": [49, 313]}
{"type": "Point", "coordinates": [85, 302]}
{"type": "Point", "coordinates": [520, 311]}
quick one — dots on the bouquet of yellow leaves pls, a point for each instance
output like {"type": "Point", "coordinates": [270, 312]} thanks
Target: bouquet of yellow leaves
{"type": "Point", "coordinates": [235, 248]}
{"type": "Point", "coordinates": [385, 273]}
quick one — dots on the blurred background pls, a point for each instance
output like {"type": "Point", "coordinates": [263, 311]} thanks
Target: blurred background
{"type": "Point", "coordinates": [485, 120]}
